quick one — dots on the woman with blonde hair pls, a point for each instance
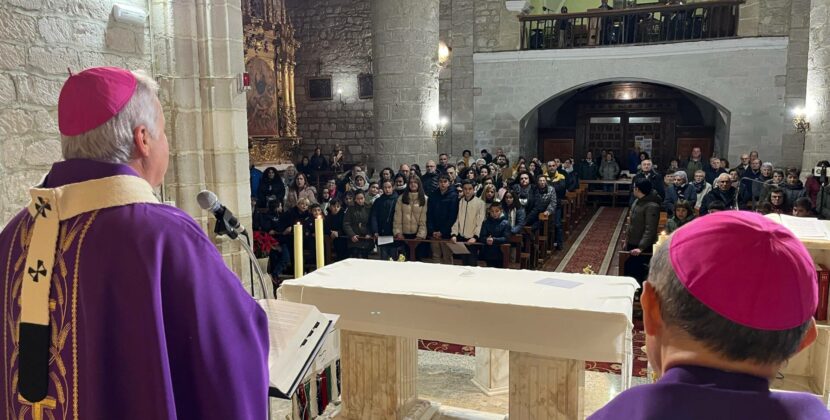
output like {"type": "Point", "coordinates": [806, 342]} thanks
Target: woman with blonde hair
{"type": "Point", "coordinates": [300, 189]}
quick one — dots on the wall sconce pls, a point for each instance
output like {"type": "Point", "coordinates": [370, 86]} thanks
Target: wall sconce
{"type": "Point", "coordinates": [800, 120]}
{"type": "Point", "coordinates": [340, 96]}
{"type": "Point", "coordinates": [443, 54]}
{"type": "Point", "coordinates": [440, 128]}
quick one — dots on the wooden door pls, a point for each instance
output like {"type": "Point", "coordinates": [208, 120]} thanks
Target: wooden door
{"type": "Point", "coordinates": [557, 148]}
{"type": "Point", "coordinates": [602, 136]}
{"type": "Point", "coordinates": [686, 144]}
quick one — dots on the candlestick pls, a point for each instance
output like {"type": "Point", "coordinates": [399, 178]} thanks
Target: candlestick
{"type": "Point", "coordinates": [298, 251]}
{"type": "Point", "coordinates": [318, 239]}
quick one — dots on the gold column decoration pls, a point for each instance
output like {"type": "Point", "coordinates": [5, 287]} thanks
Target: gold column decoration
{"type": "Point", "coordinates": [270, 50]}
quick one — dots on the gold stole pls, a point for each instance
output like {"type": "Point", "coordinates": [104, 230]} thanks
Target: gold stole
{"type": "Point", "coordinates": [49, 207]}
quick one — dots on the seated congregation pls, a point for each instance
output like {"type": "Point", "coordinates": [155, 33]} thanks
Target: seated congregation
{"type": "Point", "coordinates": [505, 215]}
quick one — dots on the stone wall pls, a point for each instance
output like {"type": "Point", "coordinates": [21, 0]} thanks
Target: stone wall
{"type": "Point", "coordinates": [792, 148]}
{"type": "Point", "coordinates": [743, 77]}
{"type": "Point", "coordinates": [817, 142]}
{"type": "Point", "coordinates": [496, 28]}
{"type": "Point", "coordinates": [335, 39]}
{"type": "Point", "coordinates": [39, 39]}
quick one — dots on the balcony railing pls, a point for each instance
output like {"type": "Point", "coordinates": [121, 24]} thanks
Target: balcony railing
{"type": "Point", "coordinates": [646, 24]}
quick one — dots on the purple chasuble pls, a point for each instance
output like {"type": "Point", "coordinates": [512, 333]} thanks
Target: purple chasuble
{"type": "Point", "coordinates": [146, 320]}
{"type": "Point", "coordinates": [694, 393]}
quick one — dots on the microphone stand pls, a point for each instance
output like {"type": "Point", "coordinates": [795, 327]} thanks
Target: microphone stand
{"type": "Point", "coordinates": [223, 228]}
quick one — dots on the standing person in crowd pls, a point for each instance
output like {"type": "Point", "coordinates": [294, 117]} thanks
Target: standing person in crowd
{"type": "Point", "coordinates": [333, 226]}
{"type": "Point", "coordinates": [471, 214]}
{"type": "Point", "coordinates": [503, 164]}
{"type": "Point", "coordinates": [648, 172]}
{"type": "Point", "coordinates": [776, 182]}
{"type": "Point", "coordinates": [415, 170]}
{"type": "Point", "coordinates": [443, 162]}
{"type": "Point", "coordinates": [488, 194]}
{"type": "Point", "coordinates": [587, 169]}
{"type": "Point", "coordinates": [571, 177]}
{"type": "Point", "coordinates": [713, 169]}
{"type": "Point", "coordinates": [494, 232]}
{"type": "Point", "coordinates": [373, 193]}
{"type": "Point", "coordinates": [356, 227]}
{"type": "Point", "coordinates": [747, 185]}
{"type": "Point", "coordinates": [336, 163]}
{"type": "Point", "coordinates": [744, 165]}
{"type": "Point", "coordinates": [288, 176]}
{"type": "Point", "coordinates": [735, 176]}
{"type": "Point", "coordinates": [381, 218]}
{"type": "Point", "coordinates": [642, 229]}
{"type": "Point", "coordinates": [486, 156]}
{"type": "Point", "coordinates": [387, 174]}
{"type": "Point", "coordinates": [270, 186]}
{"type": "Point", "coordinates": [411, 213]}
{"type": "Point", "coordinates": [513, 212]}
{"type": "Point", "coordinates": [719, 330]}
{"type": "Point", "coordinates": [360, 182]}
{"type": "Point", "coordinates": [723, 192]}
{"type": "Point", "coordinates": [442, 211]}
{"type": "Point", "coordinates": [318, 162]}
{"type": "Point", "coordinates": [803, 208]}
{"type": "Point", "coordinates": [701, 188]}
{"type": "Point", "coordinates": [404, 170]}
{"type": "Point", "coordinates": [609, 170]}
{"type": "Point", "coordinates": [523, 189]}
{"type": "Point", "coordinates": [303, 167]}
{"type": "Point", "coordinates": [466, 157]}
{"type": "Point", "coordinates": [694, 164]}
{"type": "Point", "coordinates": [793, 188]}
{"type": "Point", "coordinates": [681, 190]}
{"type": "Point", "coordinates": [430, 179]}
{"type": "Point", "coordinates": [753, 155]}
{"type": "Point", "coordinates": [256, 177]}
{"type": "Point", "coordinates": [542, 201]}
{"type": "Point", "coordinates": [674, 166]}
{"type": "Point", "coordinates": [682, 213]}
{"type": "Point", "coordinates": [452, 173]}
{"type": "Point", "coordinates": [400, 184]}
{"type": "Point", "coordinates": [813, 183]}
{"type": "Point", "coordinates": [300, 189]}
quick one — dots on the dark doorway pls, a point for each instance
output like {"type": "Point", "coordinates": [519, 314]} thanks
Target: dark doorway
{"type": "Point", "coordinates": [626, 118]}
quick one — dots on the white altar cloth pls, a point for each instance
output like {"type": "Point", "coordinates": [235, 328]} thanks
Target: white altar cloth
{"type": "Point", "coordinates": [569, 316]}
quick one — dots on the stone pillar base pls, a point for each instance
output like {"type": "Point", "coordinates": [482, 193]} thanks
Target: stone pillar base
{"type": "Point", "coordinates": [544, 387]}
{"type": "Point", "coordinates": [492, 372]}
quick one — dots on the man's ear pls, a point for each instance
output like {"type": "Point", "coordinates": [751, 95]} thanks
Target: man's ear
{"type": "Point", "coordinates": [141, 140]}
{"type": "Point", "coordinates": [652, 317]}
{"type": "Point", "coordinates": [809, 336]}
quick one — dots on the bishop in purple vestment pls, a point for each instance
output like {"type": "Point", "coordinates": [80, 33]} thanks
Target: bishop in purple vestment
{"type": "Point", "coordinates": [721, 321]}
{"type": "Point", "coordinates": [145, 321]}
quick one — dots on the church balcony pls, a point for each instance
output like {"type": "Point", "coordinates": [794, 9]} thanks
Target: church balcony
{"type": "Point", "coordinates": [641, 24]}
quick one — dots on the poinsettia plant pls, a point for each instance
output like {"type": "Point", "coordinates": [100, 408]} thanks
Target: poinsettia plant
{"type": "Point", "coordinates": [263, 244]}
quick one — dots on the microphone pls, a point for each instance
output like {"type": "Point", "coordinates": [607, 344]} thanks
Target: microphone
{"type": "Point", "coordinates": [227, 223]}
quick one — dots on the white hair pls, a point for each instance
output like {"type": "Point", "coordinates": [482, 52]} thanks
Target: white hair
{"type": "Point", "coordinates": [113, 141]}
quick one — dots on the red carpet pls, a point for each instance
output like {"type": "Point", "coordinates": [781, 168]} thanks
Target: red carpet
{"type": "Point", "coordinates": [446, 347]}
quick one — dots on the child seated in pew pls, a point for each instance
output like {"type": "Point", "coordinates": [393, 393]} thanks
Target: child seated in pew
{"type": "Point", "coordinates": [494, 232]}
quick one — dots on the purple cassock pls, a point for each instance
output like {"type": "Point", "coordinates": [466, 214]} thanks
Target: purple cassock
{"type": "Point", "coordinates": [146, 320]}
{"type": "Point", "coordinates": [695, 393]}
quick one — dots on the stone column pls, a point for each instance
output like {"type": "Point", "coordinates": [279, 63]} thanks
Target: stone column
{"type": "Point", "coordinates": [405, 56]}
{"type": "Point", "coordinates": [817, 140]}
{"type": "Point", "coordinates": [198, 47]}
{"type": "Point", "coordinates": [544, 387]}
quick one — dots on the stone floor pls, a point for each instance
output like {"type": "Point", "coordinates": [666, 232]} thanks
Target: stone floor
{"type": "Point", "coordinates": [446, 379]}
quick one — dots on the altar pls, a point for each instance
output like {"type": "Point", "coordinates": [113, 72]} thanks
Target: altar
{"type": "Point", "coordinates": [550, 323]}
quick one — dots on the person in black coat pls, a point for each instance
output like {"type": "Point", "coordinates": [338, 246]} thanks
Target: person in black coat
{"type": "Point", "coordinates": [430, 178]}
{"type": "Point", "coordinates": [318, 162]}
{"type": "Point", "coordinates": [381, 218]}
{"type": "Point", "coordinates": [271, 185]}
{"type": "Point", "coordinates": [647, 172]}
{"type": "Point", "coordinates": [442, 210]}
{"type": "Point", "coordinates": [722, 191]}
{"type": "Point", "coordinates": [681, 190]}
{"type": "Point", "coordinates": [333, 226]}
{"type": "Point", "coordinates": [494, 232]}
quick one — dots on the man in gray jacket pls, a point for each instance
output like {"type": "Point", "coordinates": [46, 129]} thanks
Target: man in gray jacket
{"type": "Point", "coordinates": [642, 229]}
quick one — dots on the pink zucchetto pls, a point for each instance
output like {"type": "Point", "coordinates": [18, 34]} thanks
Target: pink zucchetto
{"type": "Point", "coordinates": [747, 268]}
{"type": "Point", "coordinates": [93, 96]}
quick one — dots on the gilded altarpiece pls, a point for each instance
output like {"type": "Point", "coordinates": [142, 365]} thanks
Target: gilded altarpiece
{"type": "Point", "coordinates": [270, 50]}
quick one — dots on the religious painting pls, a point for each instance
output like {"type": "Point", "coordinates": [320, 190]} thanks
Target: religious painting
{"type": "Point", "coordinates": [319, 88]}
{"type": "Point", "coordinates": [365, 86]}
{"type": "Point", "coordinates": [262, 99]}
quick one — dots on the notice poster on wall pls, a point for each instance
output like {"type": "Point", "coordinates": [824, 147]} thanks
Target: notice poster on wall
{"type": "Point", "coordinates": [643, 144]}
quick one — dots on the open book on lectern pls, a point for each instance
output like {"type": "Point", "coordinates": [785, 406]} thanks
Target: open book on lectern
{"type": "Point", "coordinates": [295, 333]}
